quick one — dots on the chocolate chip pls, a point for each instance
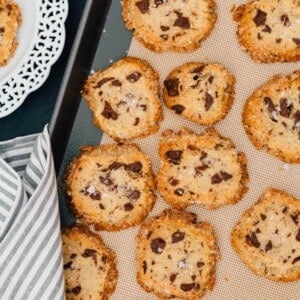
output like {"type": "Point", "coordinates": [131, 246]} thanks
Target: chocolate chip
{"type": "Point", "coordinates": [182, 22]}
{"type": "Point", "coordinates": [260, 18]}
{"type": "Point", "coordinates": [105, 180]}
{"type": "Point", "coordinates": [285, 20]}
{"type": "Point", "coordinates": [270, 106]}
{"type": "Point", "coordinates": [267, 29]}
{"type": "Point", "coordinates": [133, 77]}
{"type": "Point", "coordinates": [174, 156]}
{"type": "Point", "coordinates": [116, 83]}
{"type": "Point", "coordinates": [164, 37]}
{"type": "Point", "coordinates": [128, 206]}
{"type": "Point", "coordinates": [211, 79]}
{"type": "Point", "coordinates": [135, 167]}
{"type": "Point", "coordinates": [104, 259]}
{"type": "Point", "coordinates": [177, 236]}
{"type": "Point", "coordinates": [258, 230]}
{"type": "Point", "coordinates": [278, 41]}
{"type": "Point", "coordinates": [198, 69]}
{"type": "Point", "coordinates": [225, 176]}
{"type": "Point", "coordinates": [73, 255]}
{"type": "Point", "coordinates": [298, 235]}
{"type": "Point", "coordinates": [209, 100]}
{"type": "Point", "coordinates": [269, 246]}
{"type": "Point", "coordinates": [173, 181]}
{"type": "Point", "coordinates": [164, 28]}
{"type": "Point", "coordinates": [179, 192]}
{"type": "Point", "coordinates": [95, 196]}
{"type": "Point", "coordinates": [259, 36]}
{"type": "Point", "coordinates": [203, 155]}
{"type": "Point", "coordinates": [252, 240]}
{"type": "Point", "coordinates": [158, 245]}
{"type": "Point", "coordinates": [134, 195]}
{"type": "Point", "coordinates": [186, 287]}
{"type": "Point", "coordinates": [216, 179]}
{"type": "Point", "coordinates": [295, 218]}
{"type": "Point", "coordinates": [68, 265]}
{"type": "Point", "coordinates": [285, 210]}
{"type": "Point", "coordinates": [101, 206]}
{"type": "Point", "coordinates": [263, 217]}
{"type": "Point", "coordinates": [145, 266]}
{"type": "Point", "coordinates": [285, 108]}
{"type": "Point", "coordinates": [76, 290]}
{"type": "Point", "coordinates": [173, 277]}
{"type": "Point", "coordinates": [193, 277]}
{"type": "Point", "coordinates": [171, 86]}
{"type": "Point", "coordinates": [200, 264]}
{"type": "Point", "coordinates": [115, 166]}
{"type": "Point", "coordinates": [296, 41]}
{"type": "Point", "coordinates": [178, 109]}
{"type": "Point", "coordinates": [2, 29]}
{"type": "Point", "coordinates": [297, 117]}
{"type": "Point", "coordinates": [108, 112]}
{"type": "Point", "coordinates": [143, 6]}
{"type": "Point", "coordinates": [89, 253]}
{"type": "Point", "coordinates": [144, 107]}
{"type": "Point", "coordinates": [296, 260]}
{"type": "Point", "coordinates": [201, 168]}
{"type": "Point", "coordinates": [102, 81]}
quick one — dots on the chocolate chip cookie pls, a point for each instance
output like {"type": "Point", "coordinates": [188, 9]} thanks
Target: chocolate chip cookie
{"type": "Point", "coordinates": [200, 168]}
{"type": "Point", "coordinates": [202, 93]}
{"type": "Point", "coordinates": [267, 237]}
{"type": "Point", "coordinates": [271, 117]}
{"type": "Point", "coordinates": [269, 30]}
{"type": "Point", "coordinates": [89, 266]}
{"type": "Point", "coordinates": [176, 256]}
{"type": "Point", "coordinates": [10, 20]}
{"type": "Point", "coordinates": [110, 186]}
{"type": "Point", "coordinates": [171, 25]}
{"type": "Point", "coordinates": [124, 99]}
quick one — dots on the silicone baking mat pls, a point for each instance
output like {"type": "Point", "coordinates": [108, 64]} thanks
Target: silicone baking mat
{"type": "Point", "coordinates": [234, 280]}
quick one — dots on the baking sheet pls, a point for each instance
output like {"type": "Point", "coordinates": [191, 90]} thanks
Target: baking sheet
{"type": "Point", "coordinates": [234, 280]}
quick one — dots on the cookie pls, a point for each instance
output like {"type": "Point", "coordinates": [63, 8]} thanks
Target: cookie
{"type": "Point", "coordinates": [10, 20]}
{"type": "Point", "coordinates": [267, 237]}
{"type": "Point", "coordinates": [172, 25]}
{"type": "Point", "coordinates": [269, 30]}
{"type": "Point", "coordinates": [200, 168]}
{"type": "Point", "coordinates": [202, 93]}
{"type": "Point", "coordinates": [110, 186]}
{"type": "Point", "coordinates": [176, 256]}
{"type": "Point", "coordinates": [271, 117]}
{"type": "Point", "coordinates": [124, 99]}
{"type": "Point", "coordinates": [89, 266]}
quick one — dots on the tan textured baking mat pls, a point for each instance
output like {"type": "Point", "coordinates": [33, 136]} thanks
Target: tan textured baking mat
{"type": "Point", "coordinates": [234, 280]}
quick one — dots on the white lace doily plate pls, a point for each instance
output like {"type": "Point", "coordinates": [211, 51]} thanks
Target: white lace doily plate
{"type": "Point", "coordinates": [41, 39]}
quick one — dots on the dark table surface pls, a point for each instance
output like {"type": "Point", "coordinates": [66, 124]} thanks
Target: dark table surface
{"type": "Point", "coordinates": [36, 111]}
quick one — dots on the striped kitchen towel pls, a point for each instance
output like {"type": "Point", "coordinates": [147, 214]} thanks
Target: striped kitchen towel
{"type": "Point", "coordinates": [30, 243]}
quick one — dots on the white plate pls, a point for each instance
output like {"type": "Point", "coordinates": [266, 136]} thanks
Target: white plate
{"type": "Point", "coordinates": [41, 39]}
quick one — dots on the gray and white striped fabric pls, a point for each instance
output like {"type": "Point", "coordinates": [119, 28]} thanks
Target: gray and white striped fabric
{"type": "Point", "coordinates": [30, 245]}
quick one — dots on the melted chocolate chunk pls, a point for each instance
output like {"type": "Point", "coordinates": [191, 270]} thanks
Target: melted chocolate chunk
{"type": "Point", "coordinates": [278, 41]}
{"type": "Point", "coordinates": [95, 196]}
{"type": "Point", "coordinates": [105, 180]}
{"type": "Point", "coordinates": [182, 22]}
{"type": "Point", "coordinates": [179, 192]}
{"type": "Point", "coordinates": [76, 290]}
{"type": "Point", "coordinates": [134, 77]}
{"type": "Point", "coordinates": [252, 240]}
{"type": "Point", "coordinates": [296, 41]}
{"type": "Point", "coordinates": [128, 207]}
{"type": "Point", "coordinates": [158, 2]}
{"type": "Point", "coordinates": [186, 287]}
{"type": "Point", "coordinates": [164, 28]}
{"type": "Point", "coordinates": [101, 206]}
{"type": "Point", "coordinates": [216, 179]}
{"type": "Point", "coordinates": [285, 20]}
{"type": "Point", "coordinates": [2, 29]}
{"type": "Point", "coordinates": [89, 253]}
{"type": "Point", "coordinates": [177, 236]}
{"type": "Point", "coordinates": [297, 117]}
{"type": "Point", "coordinates": [68, 265]}
{"type": "Point", "coordinates": [260, 18]}
{"type": "Point", "coordinates": [158, 245]}
{"type": "Point", "coordinates": [263, 217]}
{"type": "Point", "coordinates": [143, 6]}
{"type": "Point", "coordinates": [267, 29]}
{"type": "Point", "coordinates": [171, 86]}
{"type": "Point", "coordinates": [115, 166]}
{"type": "Point", "coordinates": [102, 81]}
{"type": "Point", "coordinates": [296, 259]}
{"type": "Point", "coordinates": [295, 218]}
{"type": "Point", "coordinates": [174, 156]}
{"type": "Point", "coordinates": [269, 246]}
{"type": "Point", "coordinates": [116, 83]}
{"type": "Point", "coordinates": [73, 255]}
{"type": "Point", "coordinates": [198, 69]}
{"type": "Point", "coordinates": [144, 266]}
{"type": "Point", "coordinates": [144, 107]}
{"type": "Point", "coordinates": [298, 236]}
{"type": "Point", "coordinates": [209, 100]}
{"type": "Point", "coordinates": [173, 277]}
{"type": "Point", "coordinates": [201, 168]}
{"type": "Point", "coordinates": [108, 112]}
{"type": "Point", "coordinates": [134, 194]}
{"type": "Point", "coordinates": [211, 79]}
{"type": "Point", "coordinates": [164, 37]}
{"type": "Point", "coordinates": [135, 167]}
{"type": "Point", "coordinates": [285, 210]}
{"type": "Point", "coordinates": [285, 108]}
{"type": "Point", "coordinates": [225, 176]}
{"type": "Point", "coordinates": [200, 264]}
{"type": "Point", "coordinates": [203, 155]}
{"type": "Point", "coordinates": [178, 109]}
{"type": "Point", "coordinates": [173, 181]}
{"type": "Point", "coordinates": [270, 106]}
